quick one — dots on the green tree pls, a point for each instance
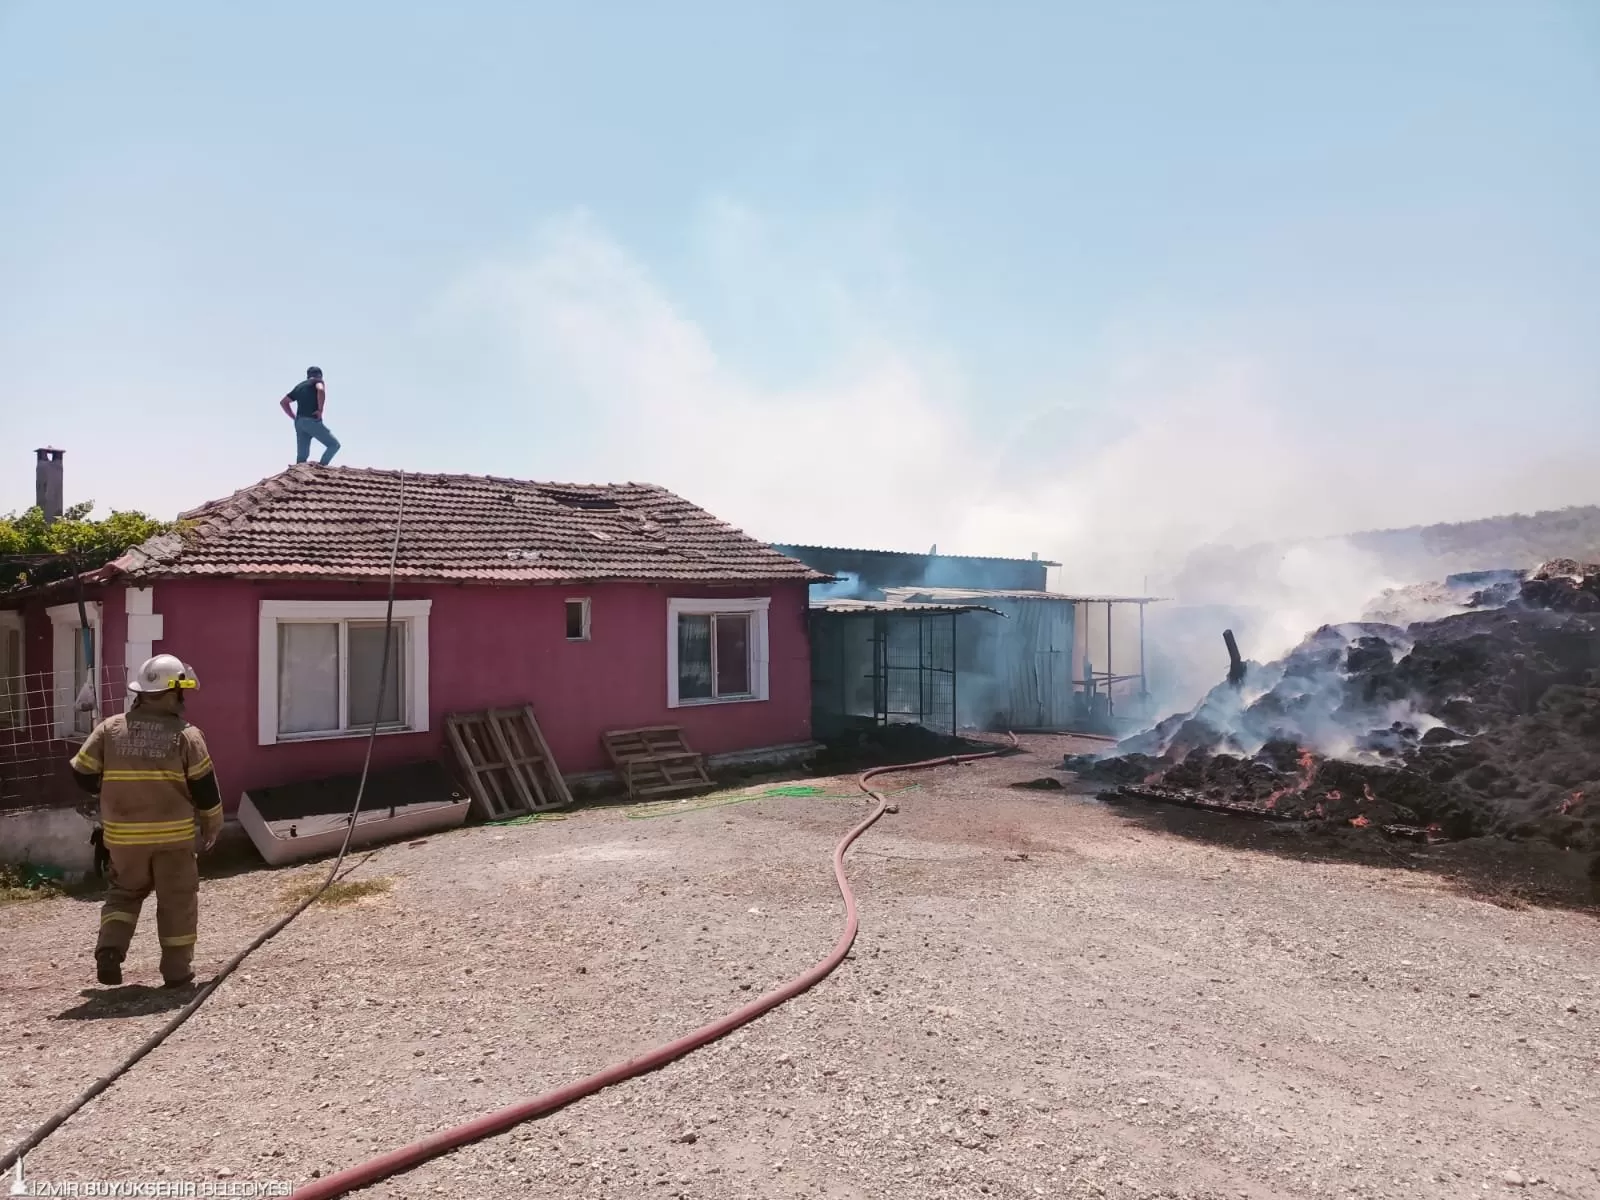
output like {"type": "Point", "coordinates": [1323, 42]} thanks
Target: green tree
{"type": "Point", "coordinates": [32, 552]}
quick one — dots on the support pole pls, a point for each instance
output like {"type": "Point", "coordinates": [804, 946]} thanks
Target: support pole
{"type": "Point", "coordinates": [1144, 685]}
{"type": "Point", "coordinates": [955, 662]}
{"type": "Point", "coordinates": [1111, 699]}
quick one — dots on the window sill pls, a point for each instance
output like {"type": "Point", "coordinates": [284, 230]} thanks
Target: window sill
{"type": "Point", "coordinates": [702, 702]}
{"type": "Point", "coordinates": [340, 735]}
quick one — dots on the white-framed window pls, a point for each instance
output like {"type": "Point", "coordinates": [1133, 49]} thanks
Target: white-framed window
{"type": "Point", "coordinates": [716, 651]}
{"type": "Point", "coordinates": [13, 701]}
{"type": "Point", "coordinates": [578, 620]}
{"type": "Point", "coordinates": [70, 669]}
{"type": "Point", "coordinates": [321, 661]}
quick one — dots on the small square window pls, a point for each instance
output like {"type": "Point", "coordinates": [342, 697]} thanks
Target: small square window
{"type": "Point", "coordinates": [578, 620]}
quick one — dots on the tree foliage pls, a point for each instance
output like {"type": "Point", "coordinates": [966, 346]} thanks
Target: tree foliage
{"type": "Point", "coordinates": [32, 552]}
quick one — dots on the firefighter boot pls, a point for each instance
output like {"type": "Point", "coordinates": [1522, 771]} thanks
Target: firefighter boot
{"type": "Point", "coordinates": [108, 966]}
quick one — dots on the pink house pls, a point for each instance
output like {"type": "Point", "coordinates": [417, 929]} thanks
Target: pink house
{"type": "Point", "coordinates": [606, 607]}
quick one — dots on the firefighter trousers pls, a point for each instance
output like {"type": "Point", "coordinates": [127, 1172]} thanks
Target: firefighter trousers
{"type": "Point", "coordinates": [172, 873]}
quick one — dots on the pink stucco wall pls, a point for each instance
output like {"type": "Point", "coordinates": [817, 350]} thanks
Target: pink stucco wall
{"type": "Point", "coordinates": [488, 647]}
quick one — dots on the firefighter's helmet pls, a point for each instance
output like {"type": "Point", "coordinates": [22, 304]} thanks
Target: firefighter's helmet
{"type": "Point", "coordinates": [163, 673]}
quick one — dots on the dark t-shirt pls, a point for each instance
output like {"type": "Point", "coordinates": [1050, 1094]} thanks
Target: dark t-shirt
{"type": "Point", "coordinates": [304, 395]}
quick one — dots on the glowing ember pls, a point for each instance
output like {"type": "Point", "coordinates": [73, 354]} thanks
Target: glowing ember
{"type": "Point", "coordinates": [1366, 794]}
{"type": "Point", "coordinates": [1360, 822]}
{"type": "Point", "coordinates": [1308, 773]}
{"type": "Point", "coordinates": [1571, 802]}
{"type": "Point", "coordinates": [1335, 795]}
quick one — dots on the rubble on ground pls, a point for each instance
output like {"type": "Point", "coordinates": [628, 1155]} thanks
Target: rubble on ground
{"type": "Point", "coordinates": [1483, 722]}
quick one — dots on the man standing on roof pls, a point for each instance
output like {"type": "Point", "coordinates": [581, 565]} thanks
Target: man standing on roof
{"type": "Point", "coordinates": [304, 406]}
{"type": "Point", "coordinates": [151, 771]}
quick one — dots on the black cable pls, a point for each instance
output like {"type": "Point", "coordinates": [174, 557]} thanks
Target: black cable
{"type": "Point", "coordinates": [60, 1118]}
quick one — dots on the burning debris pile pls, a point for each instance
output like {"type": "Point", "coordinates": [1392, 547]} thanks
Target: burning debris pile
{"type": "Point", "coordinates": [1486, 721]}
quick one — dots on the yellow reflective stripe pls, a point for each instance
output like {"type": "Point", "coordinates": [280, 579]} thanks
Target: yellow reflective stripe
{"type": "Point", "coordinates": [130, 918]}
{"type": "Point", "coordinates": [203, 767]}
{"type": "Point", "coordinates": [130, 776]}
{"type": "Point", "coordinates": [138, 826]}
{"type": "Point", "coordinates": [86, 764]}
{"type": "Point", "coordinates": [182, 939]}
{"type": "Point", "coordinates": [151, 843]}
{"type": "Point", "coordinates": [175, 838]}
{"type": "Point", "coordinates": [214, 811]}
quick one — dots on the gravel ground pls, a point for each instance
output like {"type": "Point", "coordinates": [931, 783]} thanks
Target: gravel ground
{"type": "Point", "coordinates": [1048, 998]}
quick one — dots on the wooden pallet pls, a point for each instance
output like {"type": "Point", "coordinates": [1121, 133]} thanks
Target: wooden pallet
{"type": "Point", "coordinates": [510, 771]}
{"type": "Point", "coordinates": [655, 761]}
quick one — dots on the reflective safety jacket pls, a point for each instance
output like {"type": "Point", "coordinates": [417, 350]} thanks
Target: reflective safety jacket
{"type": "Point", "coordinates": [155, 779]}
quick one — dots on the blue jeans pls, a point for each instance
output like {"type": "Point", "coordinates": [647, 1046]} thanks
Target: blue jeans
{"type": "Point", "coordinates": [306, 428]}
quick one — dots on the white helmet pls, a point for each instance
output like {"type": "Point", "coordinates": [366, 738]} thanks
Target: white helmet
{"type": "Point", "coordinates": [163, 673]}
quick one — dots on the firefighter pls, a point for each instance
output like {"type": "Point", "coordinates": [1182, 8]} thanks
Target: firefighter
{"type": "Point", "coordinates": [158, 801]}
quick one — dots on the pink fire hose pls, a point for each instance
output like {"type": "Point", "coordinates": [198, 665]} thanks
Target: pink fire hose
{"type": "Point", "coordinates": [403, 1159]}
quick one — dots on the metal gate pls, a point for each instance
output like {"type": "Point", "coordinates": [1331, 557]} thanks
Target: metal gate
{"type": "Point", "coordinates": [914, 670]}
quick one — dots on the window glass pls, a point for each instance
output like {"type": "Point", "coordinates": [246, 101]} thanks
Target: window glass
{"type": "Point", "coordinates": [733, 654]}
{"type": "Point", "coordinates": [308, 677]}
{"type": "Point", "coordinates": [694, 657]}
{"type": "Point", "coordinates": [365, 644]}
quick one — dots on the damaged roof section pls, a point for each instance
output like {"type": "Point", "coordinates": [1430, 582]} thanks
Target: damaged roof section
{"type": "Point", "coordinates": [338, 522]}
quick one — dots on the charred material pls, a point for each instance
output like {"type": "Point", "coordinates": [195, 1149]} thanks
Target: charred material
{"type": "Point", "coordinates": [1236, 668]}
{"type": "Point", "coordinates": [1483, 722]}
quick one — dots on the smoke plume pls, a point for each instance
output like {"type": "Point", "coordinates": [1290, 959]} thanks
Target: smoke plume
{"type": "Point", "coordinates": [868, 433]}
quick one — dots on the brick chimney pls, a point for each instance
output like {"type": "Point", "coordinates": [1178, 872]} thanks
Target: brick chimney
{"type": "Point", "coordinates": [48, 482]}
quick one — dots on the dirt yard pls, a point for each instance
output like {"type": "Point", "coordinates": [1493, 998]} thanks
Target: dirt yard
{"type": "Point", "coordinates": [1049, 997]}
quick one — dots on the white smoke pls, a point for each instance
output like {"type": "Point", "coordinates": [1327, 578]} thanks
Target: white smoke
{"type": "Point", "coordinates": [874, 437]}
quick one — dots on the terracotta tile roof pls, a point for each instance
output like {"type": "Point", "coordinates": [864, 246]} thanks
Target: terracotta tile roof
{"type": "Point", "coordinates": [338, 522]}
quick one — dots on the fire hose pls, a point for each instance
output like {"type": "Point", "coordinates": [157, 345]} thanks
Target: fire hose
{"type": "Point", "coordinates": [406, 1157]}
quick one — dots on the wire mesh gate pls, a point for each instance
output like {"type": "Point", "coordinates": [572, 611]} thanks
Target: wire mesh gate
{"type": "Point", "coordinates": [916, 670]}
{"type": "Point", "coordinates": [878, 668]}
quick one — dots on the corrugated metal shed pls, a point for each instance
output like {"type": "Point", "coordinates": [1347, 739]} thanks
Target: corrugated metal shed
{"type": "Point", "coordinates": [872, 570]}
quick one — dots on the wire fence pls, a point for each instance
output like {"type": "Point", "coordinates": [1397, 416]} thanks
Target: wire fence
{"type": "Point", "coordinates": [44, 716]}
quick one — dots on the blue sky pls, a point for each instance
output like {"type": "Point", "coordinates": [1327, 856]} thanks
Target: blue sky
{"type": "Point", "coordinates": [1097, 280]}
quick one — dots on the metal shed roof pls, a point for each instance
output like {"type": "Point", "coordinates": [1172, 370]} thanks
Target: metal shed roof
{"type": "Point", "coordinates": [948, 595]}
{"type": "Point", "coordinates": [993, 558]}
{"type": "Point", "coordinates": [893, 606]}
